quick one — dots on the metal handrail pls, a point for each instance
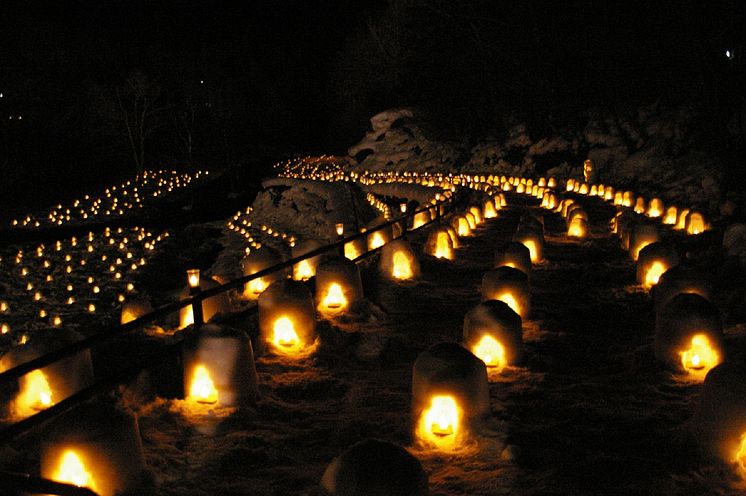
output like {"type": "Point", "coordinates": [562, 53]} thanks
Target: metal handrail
{"type": "Point", "coordinates": [49, 358]}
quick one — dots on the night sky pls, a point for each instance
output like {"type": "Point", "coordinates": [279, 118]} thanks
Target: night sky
{"type": "Point", "coordinates": [270, 79]}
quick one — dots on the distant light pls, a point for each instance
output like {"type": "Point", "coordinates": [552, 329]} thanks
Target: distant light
{"type": "Point", "coordinates": [201, 81]}
{"type": "Point", "coordinates": [729, 54]}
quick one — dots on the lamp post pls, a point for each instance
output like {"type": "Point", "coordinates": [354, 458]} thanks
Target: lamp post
{"type": "Point", "coordinates": [194, 290]}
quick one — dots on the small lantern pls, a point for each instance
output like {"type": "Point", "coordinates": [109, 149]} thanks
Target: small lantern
{"type": "Point", "coordinates": [379, 237]}
{"type": "Point", "coordinates": [338, 286]}
{"type": "Point", "coordinates": [471, 220]}
{"type": "Point", "coordinates": [514, 255]}
{"type": "Point", "coordinates": [398, 261]}
{"type": "Point", "coordinates": [134, 309]}
{"type": "Point", "coordinates": [670, 217]}
{"type": "Point", "coordinates": [688, 335]}
{"type": "Point", "coordinates": [257, 261]}
{"type": "Point", "coordinates": [439, 244]}
{"type": "Point", "coordinates": [488, 210]}
{"type": "Point", "coordinates": [640, 207]}
{"type": "Point", "coordinates": [477, 213]}
{"type": "Point", "coordinates": [577, 227]}
{"type": "Point", "coordinates": [510, 286]}
{"type": "Point", "coordinates": [719, 423]}
{"type": "Point", "coordinates": [695, 223]}
{"type": "Point", "coordinates": [211, 307]}
{"type": "Point", "coordinates": [655, 208]}
{"type": "Point", "coordinates": [94, 447]}
{"type": "Point", "coordinates": [305, 269]}
{"type": "Point", "coordinates": [680, 279]}
{"type": "Point", "coordinates": [461, 225]}
{"type": "Point", "coordinates": [532, 240]}
{"type": "Point", "coordinates": [493, 332]}
{"type": "Point", "coordinates": [454, 236]}
{"type": "Point", "coordinates": [287, 319]}
{"type": "Point", "coordinates": [421, 218]}
{"type": "Point", "coordinates": [339, 229]}
{"type": "Point", "coordinates": [353, 249]}
{"type": "Point", "coordinates": [219, 367]}
{"type": "Point", "coordinates": [373, 467]}
{"type": "Point", "coordinates": [681, 220]}
{"type": "Point", "coordinates": [42, 388]}
{"type": "Point", "coordinates": [641, 235]}
{"type": "Point", "coordinates": [450, 394]}
{"type": "Point", "coordinates": [653, 261]}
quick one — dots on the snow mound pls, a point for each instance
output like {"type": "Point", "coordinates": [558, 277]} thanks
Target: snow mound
{"type": "Point", "coordinates": [396, 142]}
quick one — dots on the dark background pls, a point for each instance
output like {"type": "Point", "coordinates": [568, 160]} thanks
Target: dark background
{"type": "Point", "coordinates": [238, 87]}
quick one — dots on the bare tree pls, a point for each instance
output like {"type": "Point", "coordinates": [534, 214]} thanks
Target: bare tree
{"type": "Point", "coordinates": [141, 106]}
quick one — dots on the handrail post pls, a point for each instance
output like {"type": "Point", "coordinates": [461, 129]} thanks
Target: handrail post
{"type": "Point", "coordinates": [340, 227]}
{"type": "Point", "coordinates": [193, 279]}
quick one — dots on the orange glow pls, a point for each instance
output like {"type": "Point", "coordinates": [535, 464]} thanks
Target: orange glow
{"type": "Point", "coordinates": [670, 217]}
{"type": "Point", "coordinates": [635, 251]}
{"type": "Point", "coordinates": [489, 210]}
{"type": "Point", "coordinates": [376, 240]}
{"type": "Point", "coordinates": [510, 300]}
{"type": "Point", "coordinates": [302, 271]}
{"type": "Point", "coordinates": [443, 246]}
{"type": "Point", "coordinates": [35, 395]}
{"type": "Point", "coordinates": [284, 335]}
{"type": "Point", "coordinates": [655, 208]}
{"type": "Point", "coordinates": [256, 286]}
{"type": "Point", "coordinates": [335, 298]}
{"type": "Point", "coordinates": [464, 229]}
{"type": "Point", "coordinates": [700, 357]}
{"type": "Point", "coordinates": [490, 351]}
{"type": "Point", "coordinates": [440, 423]}
{"type": "Point", "coordinates": [402, 270]}
{"type": "Point", "coordinates": [532, 249]}
{"type": "Point", "coordinates": [202, 388]}
{"type": "Point", "coordinates": [681, 221]}
{"type": "Point", "coordinates": [71, 470]}
{"type": "Point", "coordinates": [654, 273]}
{"type": "Point", "coordinates": [696, 223]}
{"type": "Point", "coordinates": [640, 205]}
{"type": "Point", "coordinates": [741, 456]}
{"type": "Point", "coordinates": [576, 228]}
{"type": "Point", "coordinates": [351, 252]}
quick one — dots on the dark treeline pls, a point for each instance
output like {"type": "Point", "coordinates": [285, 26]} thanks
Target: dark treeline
{"type": "Point", "coordinates": [94, 91]}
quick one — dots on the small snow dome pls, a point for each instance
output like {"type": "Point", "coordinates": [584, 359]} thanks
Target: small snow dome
{"type": "Point", "coordinates": [514, 255]}
{"type": "Point", "coordinates": [533, 239]}
{"type": "Point", "coordinates": [287, 318]}
{"type": "Point", "coordinates": [688, 335]}
{"type": "Point", "coordinates": [641, 235]}
{"type": "Point", "coordinates": [671, 214]}
{"type": "Point", "coordinates": [640, 205]}
{"type": "Point", "coordinates": [453, 234]}
{"type": "Point", "coordinates": [493, 333]}
{"type": "Point", "coordinates": [94, 446]}
{"type": "Point", "coordinates": [305, 269]}
{"type": "Point", "coordinates": [622, 226]}
{"type": "Point", "coordinates": [450, 395]}
{"type": "Point", "coordinates": [211, 307]}
{"type": "Point", "coordinates": [42, 388]}
{"type": "Point", "coordinates": [575, 210]}
{"type": "Point", "coordinates": [398, 261]}
{"type": "Point", "coordinates": [655, 208]}
{"type": "Point", "coordinates": [380, 237]}
{"type": "Point", "coordinates": [530, 223]}
{"type": "Point", "coordinates": [680, 279]}
{"type": "Point", "coordinates": [681, 219]}
{"type": "Point", "coordinates": [421, 218]}
{"type": "Point", "coordinates": [375, 468]}
{"type": "Point", "coordinates": [510, 286]}
{"type": "Point", "coordinates": [219, 367]}
{"type": "Point", "coordinates": [439, 244]}
{"type": "Point", "coordinates": [653, 261]}
{"type": "Point", "coordinates": [719, 423]}
{"type": "Point", "coordinates": [338, 286]}
{"type": "Point", "coordinates": [461, 225]}
{"type": "Point", "coordinates": [256, 261]}
{"type": "Point", "coordinates": [477, 213]}
{"type": "Point", "coordinates": [134, 309]}
{"type": "Point", "coordinates": [577, 227]}
{"type": "Point", "coordinates": [589, 171]}
{"type": "Point", "coordinates": [488, 209]}
{"type": "Point", "coordinates": [695, 223]}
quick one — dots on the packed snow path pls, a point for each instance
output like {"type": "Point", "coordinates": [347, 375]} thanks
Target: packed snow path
{"type": "Point", "coordinates": [588, 412]}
